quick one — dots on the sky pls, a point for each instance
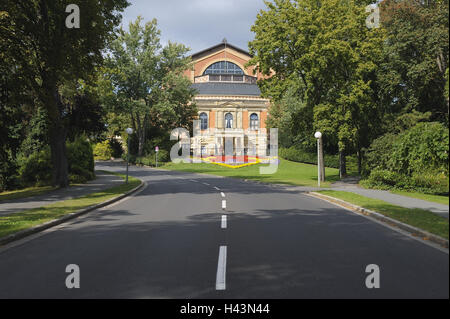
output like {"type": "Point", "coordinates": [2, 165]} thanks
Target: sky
{"type": "Point", "coordinates": [198, 24]}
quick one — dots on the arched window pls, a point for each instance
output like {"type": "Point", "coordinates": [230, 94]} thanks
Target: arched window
{"type": "Point", "coordinates": [254, 121]}
{"type": "Point", "coordinates": [203, 121]}
{"type": "Point", "coordinates": [228, 120]}
{"type": "Point", "coordinates": [223, 67]}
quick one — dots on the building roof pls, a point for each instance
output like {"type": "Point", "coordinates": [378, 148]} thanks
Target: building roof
{"type": "Point", "coordinates": [219, 46]}
{"type": "Point", "coordinates": [221, 88]}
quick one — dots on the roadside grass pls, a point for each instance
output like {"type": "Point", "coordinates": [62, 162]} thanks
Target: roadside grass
{"type": "Point", "coordinates": [26, 192]}
{"type": "Point", "coordinates": [288, 172]}
{"type": "Point", "coordinates": [419, 218]}
{"type": "Point", "coordinates": [440, 199]}
{"type": "Point", "coordinates": [16, 222]}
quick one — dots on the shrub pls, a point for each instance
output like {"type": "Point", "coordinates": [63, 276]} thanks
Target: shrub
{"type": "Point", "coordinates": [36, 169]}
{"type": "Point", "coordinates": [379, 153]}
{"type": "Point", "coordinates": [383, 179]}
{"type": "Point", "coordinates": [81, 161]}
{"type": "Point", "coordinates": [416, 159]}
{"type": "Point", "coordinates": [423, 148]}
{"type": "Point", "coordinates": [9, 176]}
{"type": "Point", "coordinates": [297, 155]}
{"type": "Point", "coordinates": [150, 160]}
{"type": "Point", "coordinates": [116, 148]}
{"type": "Point", "coordinates": [431, 183]}
{"type": "Point", "coordinates": [103, 151]}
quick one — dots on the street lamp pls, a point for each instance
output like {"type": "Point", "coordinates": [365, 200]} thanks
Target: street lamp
{"type": "Point", "coordinates": [320, 164]}
{"type": "Point", "coordinates": [129, 132]}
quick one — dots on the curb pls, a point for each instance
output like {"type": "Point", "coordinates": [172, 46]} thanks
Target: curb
{"type": "Point", "coordinates": [414, 231]}
{"type": "Point", "coordinates": [36, 229]}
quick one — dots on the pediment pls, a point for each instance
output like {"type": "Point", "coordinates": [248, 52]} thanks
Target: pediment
{"type": "Point", "coordinates": [229, 104]}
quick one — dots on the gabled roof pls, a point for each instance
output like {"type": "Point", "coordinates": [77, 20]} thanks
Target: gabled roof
{"type": "Point", "coordinates": [218, 47]}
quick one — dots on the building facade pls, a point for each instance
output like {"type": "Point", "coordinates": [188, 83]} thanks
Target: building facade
{"type": "Point", "coordinates": [231, 112]}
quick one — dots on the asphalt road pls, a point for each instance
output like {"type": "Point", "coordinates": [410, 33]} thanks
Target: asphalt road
{"type": "Point", "coordinates": [171, 241]}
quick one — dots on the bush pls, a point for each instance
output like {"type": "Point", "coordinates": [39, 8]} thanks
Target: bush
{"type": "Point", "coordinates": [103, 151]}
{"type": "Point", "coordinates": [149, 160]}
{"type": "Point", "coordinates": [9, 176]}
{"type": "Point", "coordinates": [416, 159]}
{"type": "Point", "coordinates": [383, 179]}
{"type": "Point", "coordinates": [378, 156]}
{"type": "Point", "coordinates": [116, 148]}
{"type": "Point", "coordinates": [36, 169]}
{"type": "Point", "coordinates": [297, 155]}
{"type": "Point", "coordinates": [81, 161]}
{"type": "Point", "coordinates": [423, 148]}
{"type": "Point", "coordinates": [430, 183]}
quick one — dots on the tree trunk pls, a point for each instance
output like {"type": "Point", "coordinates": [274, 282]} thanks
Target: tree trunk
{"type": "Point", "coordinates": [358, 154]}
{"type": "Point", "coordinates": [141, 140]}
{"type": "Point", "coordinates": [57, 138]}
{"type": "Point", "coordinates": [59, 156]}
{"type": "Point", "coordinates": [342, 165]}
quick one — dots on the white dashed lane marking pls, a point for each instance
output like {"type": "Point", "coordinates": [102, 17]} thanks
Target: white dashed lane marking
{"type": "Point", "coordinates": [221, 268]}
{"type": "Point", "coordinates": [224, 222]}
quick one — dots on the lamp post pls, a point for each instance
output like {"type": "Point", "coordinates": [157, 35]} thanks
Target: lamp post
{"type": "Point", "coordinates": [129, 132]}
{"type": "Point", "coordinates": [320, 164]}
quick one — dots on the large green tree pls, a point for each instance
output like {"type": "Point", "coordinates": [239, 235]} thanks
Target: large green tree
{"type": "Point", "coordinates": [327, 53]}
{"type": "Point", "coordinates": [47, 54]}
{"type": "Point", "coordinates": [416, 51]}
{"type": "Point", "coordinates": [145, 80]}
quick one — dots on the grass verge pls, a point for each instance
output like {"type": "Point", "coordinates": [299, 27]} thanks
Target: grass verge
{"type": "Point", "coordinates": [288, 172]}
{"type": "Point", "coordinates": [419, 218]}
{"type": "Point", "coordinates": [16, 222]}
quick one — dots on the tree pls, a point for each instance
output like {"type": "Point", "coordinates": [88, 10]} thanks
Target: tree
{"type": "Point", "coordinates": [145, 80]}
{"type": "Point", "coordinates": [412, 76]}
{"type": "Point", "coordinates": [48, 54]}
{"type": "Point", "coordinates": [325, 49]}
{"type": "Point", "coordinates": [85, 116]}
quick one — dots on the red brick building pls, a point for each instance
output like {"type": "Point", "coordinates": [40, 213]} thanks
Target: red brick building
{"type": "Point", "coordinates": [230, 106]}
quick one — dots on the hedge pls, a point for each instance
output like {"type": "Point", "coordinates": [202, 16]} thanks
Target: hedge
{"type": "Point", "coordinates": [297, 155]}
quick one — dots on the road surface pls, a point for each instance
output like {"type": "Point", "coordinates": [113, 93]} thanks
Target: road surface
{"type": "Point", "coordinates": [174, 239]}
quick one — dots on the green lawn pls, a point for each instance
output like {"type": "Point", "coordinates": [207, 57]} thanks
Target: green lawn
{"type": "Point", "coordinates": [26, 192]}
{"type": "Point", "coordinates": [419, 218]}
{"type": "Point", "coordinates": [22, 220]}
{"type": "Point", "coordinates": [291, 173]}
{"type": "Point", "coordinates": [431, 198]}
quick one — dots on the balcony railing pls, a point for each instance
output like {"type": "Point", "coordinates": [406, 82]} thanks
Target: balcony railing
{"type": "Point", "coordinates": [233, 78]}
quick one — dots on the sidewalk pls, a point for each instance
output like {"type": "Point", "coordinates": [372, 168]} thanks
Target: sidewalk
{"type": "Point", "coordinates": [102, 182]}
{"type": "Point", "coordinates": [351, 185]}
{"type": "Point", "coordinates": [399, 200]}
